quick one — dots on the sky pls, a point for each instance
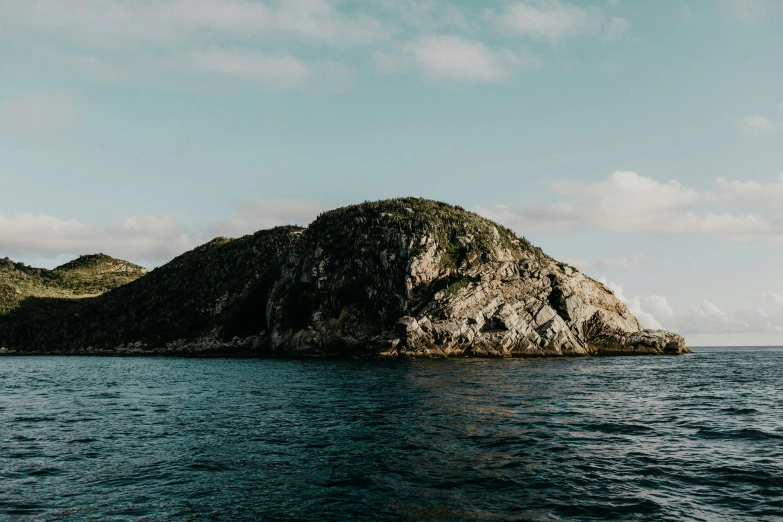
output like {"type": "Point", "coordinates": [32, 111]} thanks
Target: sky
{"type": "Point", "coordinates": [639, 141]}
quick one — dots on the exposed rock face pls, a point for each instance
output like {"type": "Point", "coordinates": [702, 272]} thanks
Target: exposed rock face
{"type": "Point", "coordinates": [420, 278]}
{"type": "Point", "coordinates": [396, 278]}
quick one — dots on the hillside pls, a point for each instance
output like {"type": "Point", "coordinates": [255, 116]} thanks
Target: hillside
{"type": "Point", "coordinates": [217, 286]}
{"type": "Point", "coordinates": [85, 276]}
{"type": "Point", "coordinates": [395, 278]}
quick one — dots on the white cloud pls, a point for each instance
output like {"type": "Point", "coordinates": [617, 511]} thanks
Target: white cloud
{"type": "Point", "coordinates": [757, 123]}
{"type": "Point", "coordinates": [705, 319]}
{"type": "Point", "coordinates": [710, 319]}
{"type": "Point", "coordinates": [283, 44]}
{"type": "Point", "coordinates": [184, 42]}
{"type": "Point", "coordinates": [453, 58]}
{"type": "Point", "coordinates": [146, 239]}
{"type": "Point", "coordinates": [616, 28]}
{"type": "Point", "coordinates": [275, 212]}
{"type": "Point", "coordinates": [744, 340]}
{"type": "Point", "coordinates": [647, 319]}
{"type": "Point", "coordinates": [113, 23]}
{"type": "Point", "coordinates": [142, 238]}
{"type": "Point", "coordinates": [555, 218]}
{"type": "Point", "coordinates": [258, 214]}
{"type": "Point", "coordinates": [429, 15]}
{"type": "Point", "coordinates": [777, 299]}
{"type": "Point", "coordinates": [749, 11]}
{"type": "Point", "coordinates": [658, 307]}
{"type": "Point", "coordinates": [269, 70]}
{"type": "Point", "coordinates": [626, 202]}
{"type": "Point", "coordinates": [616, 263]}
{"type": "Point", "coordinates": [215, 69]}
{"type": "Point", "coordinates": [552, 20]}
{"type": "Point", "coordinates": [616, 289]}
{"type": "Point", "coordinates": [750, 193]}
{"type": "Point", "coordinates": [255, 65]}
{"type": "Point", "coordinates": [38, 114]}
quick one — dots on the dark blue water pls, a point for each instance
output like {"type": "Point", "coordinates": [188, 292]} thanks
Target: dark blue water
{"type": "Point", "coordinates": [697, 437]}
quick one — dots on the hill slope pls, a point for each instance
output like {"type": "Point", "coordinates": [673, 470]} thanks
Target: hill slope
{"type": "Point", "coordinates": [395, 278]}
{"type": "Point", "coordinates": [216, 290]}
{"type": "Point", "coordinates": [85, 276]}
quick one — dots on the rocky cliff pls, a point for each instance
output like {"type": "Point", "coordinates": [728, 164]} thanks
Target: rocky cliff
{"type": "Point", "coordinates": [395, 278]}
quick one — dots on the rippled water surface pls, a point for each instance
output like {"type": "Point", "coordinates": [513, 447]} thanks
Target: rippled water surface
{"type": "Point", "coordinates": [697, 437]}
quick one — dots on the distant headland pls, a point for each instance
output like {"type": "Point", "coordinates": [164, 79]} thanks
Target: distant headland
{"type": "Point", "coordinates": [397, 278]}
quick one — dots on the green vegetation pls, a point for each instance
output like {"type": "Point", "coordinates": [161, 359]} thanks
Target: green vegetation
{"type": "Point", "coordinates": [358, 268]}
{"type": "Point", "coordinates": [456, 286]}
{"type": "Point", "coordinates": [83, 277]}
{"type": "Point", "coordinates": [455, 229]}
{"type": "Point", "coordinates": [221, 286]}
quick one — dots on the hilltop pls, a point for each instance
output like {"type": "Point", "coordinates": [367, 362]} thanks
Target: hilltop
{"type": "Point", "coordinates": [83, 277]}
{"type": "Point", "coordinates": [395, 278]}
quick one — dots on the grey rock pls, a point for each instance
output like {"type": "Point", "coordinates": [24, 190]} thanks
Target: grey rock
{"type": "Point", "coordinates": [502, 296]}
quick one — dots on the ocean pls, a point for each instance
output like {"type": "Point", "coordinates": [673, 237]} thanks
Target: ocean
{"type": "Point", "coordinates": [694, 437]}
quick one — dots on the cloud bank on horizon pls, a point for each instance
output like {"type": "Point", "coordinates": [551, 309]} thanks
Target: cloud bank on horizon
{"type": "Point", "coordinates": [616, 135]}
{"type": "Point", "coordinates": [626, 202]}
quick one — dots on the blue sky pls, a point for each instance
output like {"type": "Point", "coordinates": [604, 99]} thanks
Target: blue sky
{"type": "Point", "coordinates": [641, 141]}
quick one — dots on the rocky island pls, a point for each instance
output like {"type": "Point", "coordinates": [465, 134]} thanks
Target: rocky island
{"type": "Point", "coordinates": [397, 278]}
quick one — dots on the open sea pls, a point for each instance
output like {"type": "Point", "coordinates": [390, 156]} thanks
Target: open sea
{"type": "Point", "coordinates": [695, 437]}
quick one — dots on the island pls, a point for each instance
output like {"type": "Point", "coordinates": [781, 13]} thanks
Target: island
{"type": "Point", "coordinates": [399, 278]}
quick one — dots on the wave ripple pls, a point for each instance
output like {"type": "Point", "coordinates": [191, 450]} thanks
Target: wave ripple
{"type": "Point", "coordinates": [696, 437]}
